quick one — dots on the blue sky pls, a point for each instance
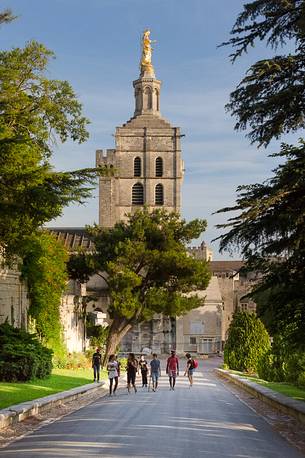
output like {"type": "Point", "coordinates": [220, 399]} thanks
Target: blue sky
{"type": "Point", "coordinates": [97, 47]}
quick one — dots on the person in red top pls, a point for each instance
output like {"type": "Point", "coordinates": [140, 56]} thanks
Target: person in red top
{"type": "Point", "coordinates": [172, 369]}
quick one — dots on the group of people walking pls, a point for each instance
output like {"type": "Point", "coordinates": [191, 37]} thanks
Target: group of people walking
{"type": "Point", "coordinates": [150, 372]}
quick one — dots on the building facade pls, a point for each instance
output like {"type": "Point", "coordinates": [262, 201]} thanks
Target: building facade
{"type": "Point", "coordinates": [148, 169]}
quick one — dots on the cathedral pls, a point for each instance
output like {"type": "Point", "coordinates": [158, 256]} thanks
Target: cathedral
{"type": "Point", "coordinates": [148, 171]}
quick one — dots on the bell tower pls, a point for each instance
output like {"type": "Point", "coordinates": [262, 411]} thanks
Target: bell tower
{"type": "Point", "coordinates": [147, 155]}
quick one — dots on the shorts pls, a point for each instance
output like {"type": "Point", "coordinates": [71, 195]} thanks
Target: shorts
{"type": "Point", "coordinates": [155, 376]}
{"type": "Point", "coordinates": [131, 378]}
{"type": "Point", "coordinates": [172, 373]}
{"type": "Point", "coordinates": [191, 371]}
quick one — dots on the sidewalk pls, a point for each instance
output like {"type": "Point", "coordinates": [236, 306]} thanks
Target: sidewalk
{"type": "Point", "coordinates": [276, 400]}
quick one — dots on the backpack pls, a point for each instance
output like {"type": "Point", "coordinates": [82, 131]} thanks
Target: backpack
{"type": "Point", "coordinates": [195, 363]}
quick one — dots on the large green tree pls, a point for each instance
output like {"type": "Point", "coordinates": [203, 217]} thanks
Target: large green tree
{"type": "Point", "coordinates": [146, 267]}
{"type": "Point", "coordinates": [270, 98]}
{"type": "Point", "coordinates": [269, 229]}
{"type": "Point", "coordinates": [36, 112]}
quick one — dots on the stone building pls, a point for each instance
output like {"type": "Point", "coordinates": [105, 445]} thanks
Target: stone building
{"type": "Point", "coordinates": [14, 301]}
{"type": "Point", "coordinates": [146, 159]}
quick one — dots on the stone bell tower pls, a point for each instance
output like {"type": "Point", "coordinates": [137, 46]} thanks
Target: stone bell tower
{"type": "Point", "coordinates": [147, 155]}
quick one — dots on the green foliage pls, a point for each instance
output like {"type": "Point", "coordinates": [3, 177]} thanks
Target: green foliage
{"type": "Point", "coordinates": [282, 363]}
{"type": "Point", "coordinates": [44, 267]}
{"type": "Point", "coordinates": [97, 335]}
{"type": "Point", "coordinates": [123, 364]}
{"type": "Point", "coordinates": [36, 112]}
{"type": "Point", "coordinates": [269, 231]}
{"type": "Point", "coordinates": [146, 266]}
{"type": "Point", "coordinates": [247, 342]}
{"type": "Point", "coordinates": [269, 99]}
{"type": "Point", "coordinates": [72, 360]}
{"type": "Point", "coordinates": [22, 357]}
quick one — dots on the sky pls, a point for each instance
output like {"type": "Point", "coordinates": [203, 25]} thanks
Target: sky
{"type": "Point", "coordinates": [97, 48]}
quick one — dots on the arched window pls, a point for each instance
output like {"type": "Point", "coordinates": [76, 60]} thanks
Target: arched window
{"type": "Point", "coordinates": [159, 167]}
{"type": "Point", "coordinates": [147, 99]}
{"type": "Point", "coordinates": [137, 167]}
{"type": "Point", "coordinates": [137, 194]}
{"type": "Point", "coordinates": [159, 197]}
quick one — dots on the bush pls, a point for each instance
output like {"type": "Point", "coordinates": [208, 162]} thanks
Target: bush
{"type": "Point", "coordinates": [301, 379]}
{"type": "Point", "coordinates": [73, 360]}
{"type": "Point", "coordinates": [282, 364]}
{"type": "Point", "coordinates": [247, 342]}
{"type": "Point", "coordinates": [22, 357]}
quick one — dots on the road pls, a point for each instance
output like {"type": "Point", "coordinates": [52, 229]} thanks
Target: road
{"type": "Point", "coordinates": [204, 421]}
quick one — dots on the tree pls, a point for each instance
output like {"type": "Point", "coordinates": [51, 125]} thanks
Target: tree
{"type": "Point", "coordinates": [146, 267]}
{"type": "Point", "coordinates": [6, 16]}
{"type": "Point", "coordinates": [35, 113]}
{"type": "Point", "coordinates": [44, 268]}
{"type": "Point", "coordinates": [247, 342]}
{"type": "Point", "coordinates": [269, 228]}
{"type": "Point", "coordinates": [270, 98]}
{"type": "Point", "coordinates": [269, 231]}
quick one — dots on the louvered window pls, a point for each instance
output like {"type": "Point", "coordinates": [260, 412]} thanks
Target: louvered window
{"type": "Point", "coordinates": [159, 167]}
{"type": "Point", "coordinates": [159, 197]}
{"type": "Point", "coordinates": [137, 167]}
{"type": "Point", "coordinates": [137, 194]}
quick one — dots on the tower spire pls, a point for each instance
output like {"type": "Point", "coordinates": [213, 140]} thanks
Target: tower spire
{"type": "Point", "coordinates": [147, 87]}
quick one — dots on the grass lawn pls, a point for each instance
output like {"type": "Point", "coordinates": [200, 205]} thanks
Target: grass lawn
{"type": "Point", "coordinates": [284, 388]}
{"type": "Point", "coordinates": [60, 380]}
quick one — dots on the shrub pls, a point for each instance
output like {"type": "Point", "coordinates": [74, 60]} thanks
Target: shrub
{"type": "Point", "coordinates": [73, 360]}
{"type": "Point", "coordinates": [247, 342]}
{"type": "Point", "coordinates": [22, 357]}
{"type": "Point", "coordinates": [282, 364]}
{"type": "Point", "coordinates": [301, 379]}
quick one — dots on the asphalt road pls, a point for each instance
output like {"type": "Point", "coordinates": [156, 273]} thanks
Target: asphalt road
{"type": "Point", "coordinates": [204, 421]}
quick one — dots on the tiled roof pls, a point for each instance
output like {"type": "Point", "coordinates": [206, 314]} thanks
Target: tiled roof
{"type": "Point", "coordinates": [73, 237]}
{"type": "Point", "coordinates": [226, 266]}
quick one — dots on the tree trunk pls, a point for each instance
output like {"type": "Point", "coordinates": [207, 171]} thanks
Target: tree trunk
{"type": "Point", "coordinates": [118, 329]}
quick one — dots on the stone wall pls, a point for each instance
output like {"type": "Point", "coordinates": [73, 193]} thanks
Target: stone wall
{"type": "Point", "coordinates": [14, 302]}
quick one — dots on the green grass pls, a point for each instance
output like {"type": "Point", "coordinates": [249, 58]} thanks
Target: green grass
{"type": "Point", "coordinates": [281, 387]}
{"type": "Point", "coordinates": [60, 380]}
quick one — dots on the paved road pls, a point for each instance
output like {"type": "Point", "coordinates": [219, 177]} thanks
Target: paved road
{"type": "Point", "coordinates": [204, 421]}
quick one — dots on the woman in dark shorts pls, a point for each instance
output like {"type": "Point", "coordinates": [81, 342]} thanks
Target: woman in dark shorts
{"type": "Point", "coordinates": [132, 368]}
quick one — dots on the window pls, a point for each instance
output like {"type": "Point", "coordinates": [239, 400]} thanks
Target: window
{"type": "Point", "coordinates": [193, 340]}
{"type": "Point", "coordinates": [137, 194]}
{"type": "Point", "coordinates": [159, 167]}
{"type": "Point", "coordinates": [137, 167]}
{"type": "Point", "coordinates": [147, 99]}
{"type": "Point", "coordinates": [159, 198]}
{"type": "Point", "coordinates": [196, 327]}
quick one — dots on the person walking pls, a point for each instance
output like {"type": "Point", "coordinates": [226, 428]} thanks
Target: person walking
{"type": "Point", "coordinates": [96, 364]}
{"type": "Point", "coordinates": [143, 365]}
{"type": "Point", "coordinates": [132, 368]}
{"type": "Point", "coordinates": [172, 369]}
{"type": "Point", "coordinates": [190, 367]}
{"type": "Point", "coordinates": [113, 374]}
{"type": "Point", "coordinates": [155, 371]}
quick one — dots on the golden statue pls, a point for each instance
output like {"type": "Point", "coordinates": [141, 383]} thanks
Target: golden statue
{"type": "Point", "coordinates": [146, 65]}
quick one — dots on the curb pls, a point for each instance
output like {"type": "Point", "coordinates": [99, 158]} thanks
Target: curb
{"type": "Point", "coordinates": [276, 400]}
{"type": "Point", "coordinates": [19, 412]}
